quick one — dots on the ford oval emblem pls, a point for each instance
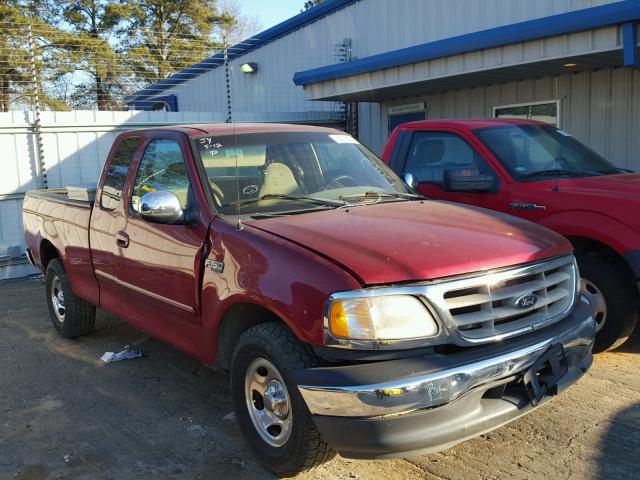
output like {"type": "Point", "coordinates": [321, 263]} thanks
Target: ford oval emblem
{"type": "Point", "coordinates": [526, 301]}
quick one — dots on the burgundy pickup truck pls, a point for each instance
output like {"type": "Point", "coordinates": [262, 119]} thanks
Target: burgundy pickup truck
{"type": "Point", "coordinates": [542, 174]}
{"type": "Point", "coordinates": [353, 315]}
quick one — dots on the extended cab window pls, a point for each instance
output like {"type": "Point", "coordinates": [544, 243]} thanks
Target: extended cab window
{"type": "Point", "coordinates": [161, 168]}
{"type": "Point", "coordinates": [432, 153]}
{"type": "Point", "coordinates": [117, 173]}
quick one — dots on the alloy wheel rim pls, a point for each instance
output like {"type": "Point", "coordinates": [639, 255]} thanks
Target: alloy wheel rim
{"type": "Point", "coordinates": [597, 300]}
{"type": "Point", "coordinates": [268, 402]}
{"type": "Point", "coordinates": [57, 299]}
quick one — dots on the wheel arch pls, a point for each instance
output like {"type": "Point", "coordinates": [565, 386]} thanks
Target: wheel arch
{"type": "Point", "coordinates": [587, 245]}
{"type": "Point", "coordinates": [235, 321]}
{"type": "Point", "coordinates": [47, 253]}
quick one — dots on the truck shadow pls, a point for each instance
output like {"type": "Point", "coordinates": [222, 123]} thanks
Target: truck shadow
{"type": "Point", "coordinates": [622, 440]}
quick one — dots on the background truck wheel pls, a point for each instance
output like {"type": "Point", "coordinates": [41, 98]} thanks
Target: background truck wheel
{"type": "Point", "coordinates": [614, 297]}
{"type": "Point", "coordinates": [71, 316]}
{"type": "Point", "coordinates": [273, 417]}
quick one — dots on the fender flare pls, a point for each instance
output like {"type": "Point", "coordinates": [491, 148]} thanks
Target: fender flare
{"type": "Point", "coordinates": [601, 228]}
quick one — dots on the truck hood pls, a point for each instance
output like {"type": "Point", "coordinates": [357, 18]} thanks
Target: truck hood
{"type": "Point", "coordinates": [408, 241]}
{"type": "Point", "coordinates": [626, 185]}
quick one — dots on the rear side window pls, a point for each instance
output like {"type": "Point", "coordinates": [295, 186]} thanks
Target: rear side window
{"type": "Point", "coordinates": [432, 153]}
{"type": "Point", "coordinates": [161, 168]}
{"type": "Point", "coordinates": [117, 173]}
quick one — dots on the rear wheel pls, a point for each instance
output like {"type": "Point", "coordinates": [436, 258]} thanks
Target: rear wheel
{"type": "Point", "coordinates": [71, 316]}
{"type": "Point", "coordinates": [273, 418]}
{"type": "Point", "coordinates": [614, 298]}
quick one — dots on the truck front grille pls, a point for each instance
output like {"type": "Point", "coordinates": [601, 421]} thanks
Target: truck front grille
{"type": "Point", "coordinates": [495, 305]}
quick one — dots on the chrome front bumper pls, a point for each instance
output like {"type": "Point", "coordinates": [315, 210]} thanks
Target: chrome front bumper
{"type": "Point", "coordinates": [425, 383]}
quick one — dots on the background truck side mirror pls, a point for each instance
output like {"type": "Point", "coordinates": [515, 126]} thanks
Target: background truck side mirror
{"type": "Point", "coordinates": [410, 180]}
{"type": "Point", "coordinates": [467, 180]}
{"type": "Point", "coordinates": [161, 207]}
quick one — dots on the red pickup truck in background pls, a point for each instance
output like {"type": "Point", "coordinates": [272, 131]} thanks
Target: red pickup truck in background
{"type": "Point", "coordinates": [543, 174]}
{"type": "Point", "coordinates": [353, 315]}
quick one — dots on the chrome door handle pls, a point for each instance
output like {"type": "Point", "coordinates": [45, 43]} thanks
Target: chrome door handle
{"type": "Point", "coordinates": [122, 239]}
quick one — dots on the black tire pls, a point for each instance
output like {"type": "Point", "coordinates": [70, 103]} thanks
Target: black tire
{"type": "Point", "coordinates": [304, 449]}
{"type": "Point", "coordinates": [620, 293]}
{"type": "Point", "coordinates": [77, 316]}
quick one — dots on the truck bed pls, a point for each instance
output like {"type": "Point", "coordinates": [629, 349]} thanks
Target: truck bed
{"type": "Point", "coordinates": [59, 195]}
{"type": "Point", "coordinates": [56, 225]}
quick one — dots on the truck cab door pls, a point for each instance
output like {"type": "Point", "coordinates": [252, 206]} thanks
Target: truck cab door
{"type": "Point", "coordinates": [108, 220]}
{"type": "Point", "coordinates": [161, 266]}
{"type": "Point", "coordinates": [447, 167]}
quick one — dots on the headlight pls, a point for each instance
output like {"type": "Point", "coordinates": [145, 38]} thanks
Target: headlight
{"type": "Point", "coordinates": [385, 318]}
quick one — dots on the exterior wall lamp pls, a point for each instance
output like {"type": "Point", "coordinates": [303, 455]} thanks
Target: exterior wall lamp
{"type": "Point", "coordinates": [249, 68]}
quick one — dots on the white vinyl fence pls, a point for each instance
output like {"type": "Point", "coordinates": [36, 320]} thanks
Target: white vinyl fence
{"type": "Point", "coordinates": [74, 147]}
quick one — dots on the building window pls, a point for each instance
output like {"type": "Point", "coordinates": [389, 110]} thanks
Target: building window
{"type": "Point", "coordinates": [547, 111]}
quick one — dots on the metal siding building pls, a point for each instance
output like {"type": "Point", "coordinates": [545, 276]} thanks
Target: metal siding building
{"type": "Point", "coordinates": [458, 58]}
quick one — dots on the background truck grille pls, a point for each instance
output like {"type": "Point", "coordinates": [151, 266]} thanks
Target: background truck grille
{"type": "Point", "coordinates": [485, 307]}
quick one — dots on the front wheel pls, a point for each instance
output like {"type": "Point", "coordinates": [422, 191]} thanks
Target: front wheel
{"type": "Point", "coordinates": [273, 418]}
{"type": "Point", "coordinates": [614, 298]}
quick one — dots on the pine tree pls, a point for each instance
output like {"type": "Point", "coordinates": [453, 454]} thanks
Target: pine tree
{"type": "Point", "coordinates": [16, 79]}
{"type": "Point", "coordinates": [166, 36]}
{"type": "Point", "coordinates": [16, 86]}
{"type": "Point", "coordinates": [311, 3]}
{"type": "Point", "coordinates": [96, 24]}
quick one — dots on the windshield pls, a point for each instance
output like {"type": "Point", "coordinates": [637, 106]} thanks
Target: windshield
{"type": "Point", "coordinates": [279, 172]}
{"type": "Point", "coordinates": [541, 152]}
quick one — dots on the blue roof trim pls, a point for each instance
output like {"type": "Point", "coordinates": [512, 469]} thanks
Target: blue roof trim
{"type": "Point", "coordinates": [630, 42]}
{"type": "Point", "coordinates": [258, 40]}
{"type": "Point", "coordinates": [579, 20]}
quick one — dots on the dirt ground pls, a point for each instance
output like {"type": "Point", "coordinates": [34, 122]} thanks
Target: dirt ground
{"type": "Point", "coordinates": [66, 415]}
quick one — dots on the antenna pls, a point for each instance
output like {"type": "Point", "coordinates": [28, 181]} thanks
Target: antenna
{"type": "Point", "coordinates": [239, 226]}
{"type": "Point", "coordinates": [227, 73]}
{"type": "Point", "coordinates": [557, 166]}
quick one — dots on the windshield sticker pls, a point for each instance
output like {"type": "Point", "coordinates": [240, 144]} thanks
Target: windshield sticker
{"type": "Point", "coordinates": [343, 139]}
{"type": "Point", "coordinates": [566, 134]}
{"type": "Point", "coordinates": [234, 152]}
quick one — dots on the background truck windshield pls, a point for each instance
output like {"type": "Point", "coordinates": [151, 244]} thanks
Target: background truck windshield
{"type": "Point", "coordinates": [535, 152]}
{"type": "Point", "coordinates": [319, 166]}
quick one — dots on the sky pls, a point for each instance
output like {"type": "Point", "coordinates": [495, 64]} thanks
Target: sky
{"type": "Point", "coordinates": [271, 12]}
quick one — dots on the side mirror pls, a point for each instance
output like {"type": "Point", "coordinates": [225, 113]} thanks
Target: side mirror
{"type": "Point", "coordinates": [161, 207]}
{"type": "Point", "coordinates": [467, 180]}
{"type": "Point", "coordinates": [410, 180]}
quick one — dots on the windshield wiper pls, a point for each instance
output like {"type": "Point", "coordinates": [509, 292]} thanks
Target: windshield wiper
{"type": "Point", "coordinates": [553, 172]}
{"type": "Point", "coordinates": [296, 198]}
{"type": "Point", "coordinates": [379, 195]}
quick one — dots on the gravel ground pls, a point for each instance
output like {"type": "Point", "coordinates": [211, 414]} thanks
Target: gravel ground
{"type": "Point", "coordinates": [66, 415]}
